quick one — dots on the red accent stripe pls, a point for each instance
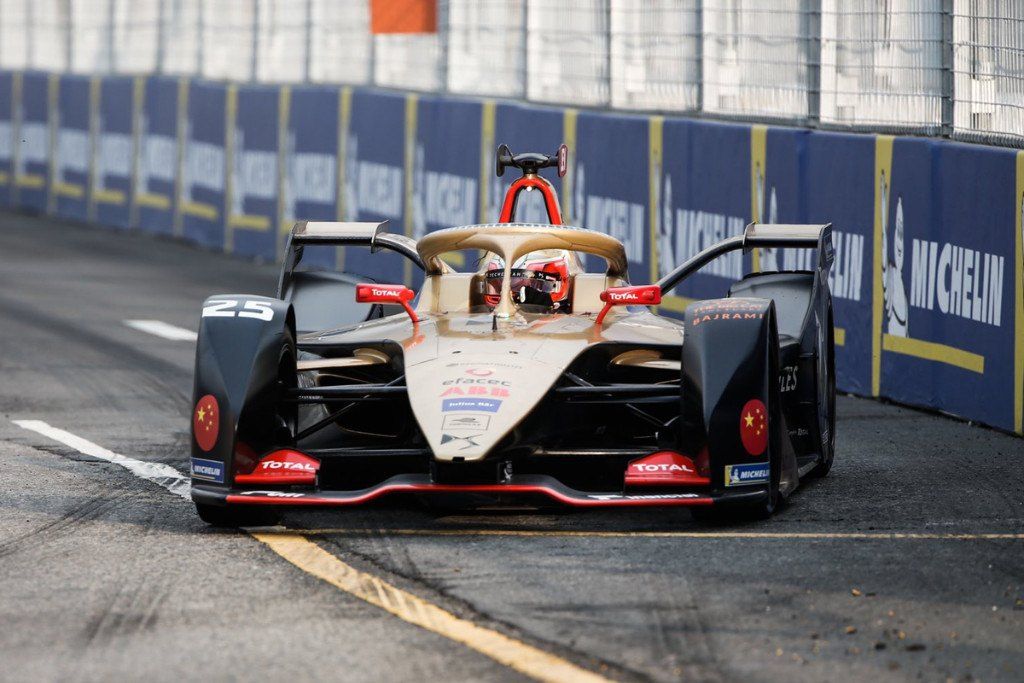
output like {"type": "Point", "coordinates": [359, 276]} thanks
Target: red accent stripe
{"type": "Point", "coordinates": [466, 488]}
{"type": "Point", "coordinates": [546, 189]}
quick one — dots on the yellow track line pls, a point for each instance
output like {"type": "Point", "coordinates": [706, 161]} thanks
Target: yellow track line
{"type": "Point", "coordinates": [507, 651]}
{"type": "Point", "coordinates": [810, 535]}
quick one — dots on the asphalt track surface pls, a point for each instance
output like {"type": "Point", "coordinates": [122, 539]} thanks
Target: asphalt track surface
{"type": "Point", "coordinates": [907, 563]}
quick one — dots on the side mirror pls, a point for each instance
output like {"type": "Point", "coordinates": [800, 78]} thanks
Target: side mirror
{"type": "Point", "coordinates": [641, 295]}
{"type": "Point", "coordinates": [387, 294]}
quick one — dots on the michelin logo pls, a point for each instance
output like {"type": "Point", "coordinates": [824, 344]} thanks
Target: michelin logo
{"type": "Point", "coordinates": [741, 475]}
{"type": "Point", "coordinates": [440, 199]}
{"type": "Point", "coordinates": [210, 470]}
{"type": "Point", "coordinates": [621, 219]}
{"type": "Point", "coordinates": [684, 232]}
{"type": "Point", "coordinates": [956, 280]}
{"type": "Point", "coordinates": [371, 188]}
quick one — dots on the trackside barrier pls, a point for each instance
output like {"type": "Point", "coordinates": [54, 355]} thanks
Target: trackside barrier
{"type": "Point", "coordinates": [928, 281]}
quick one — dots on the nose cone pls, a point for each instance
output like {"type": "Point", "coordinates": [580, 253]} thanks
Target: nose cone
{"type": "Point", "coordinates": [466, 403]}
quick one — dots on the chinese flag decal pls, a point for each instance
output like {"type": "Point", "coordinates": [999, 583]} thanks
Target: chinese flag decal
{"type": "Point", "coordinates": [754, 427]}
{"type": "Point", "coordinates": [206, 422]}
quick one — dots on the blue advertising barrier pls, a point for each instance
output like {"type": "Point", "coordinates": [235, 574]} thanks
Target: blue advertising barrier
{"type": "Point", "coordinates": [523, 129]}
{"type": "Point", "coordinates": [704, 197]}
{"type": "Point", "coordinates": [446, 167]}
{"type": "Point", "coordinates": [378, 162]}
{"type": "Point", "coordinates": [7, 134]}
{"type": "Point", "coordinates": [159, 117]}
{"type": "Point", "coordinates": [611, 190]}
{"type": "Point", "coordinates": [32, 152]}
{"type": "Point", "coordinates": [72, 152]}
{"type": "Point", "coordinates": [944, 331]}
{"type": "Point", "coordinates": [310, 188]}
{"type": "Point", "coordinates": [110, 189]}
{"type": "Point", "coordinates": [204, 168]}
{"type": "Point", "coordinates": [836, 187]}
{"type": "Point", "coordinates": [252, 189]}
{"type": "Point", "coordinates": [928, 278]}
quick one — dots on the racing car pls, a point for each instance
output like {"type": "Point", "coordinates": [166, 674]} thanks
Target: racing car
{"type": "Point", "coordinates": [525, 379]}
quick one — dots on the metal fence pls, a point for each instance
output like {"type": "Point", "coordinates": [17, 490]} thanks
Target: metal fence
{"type": "Point", "coordinates": [939, 67]}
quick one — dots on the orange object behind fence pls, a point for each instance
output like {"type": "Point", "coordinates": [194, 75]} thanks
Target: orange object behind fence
{"type": "Point", "coordinates": [403, 16]}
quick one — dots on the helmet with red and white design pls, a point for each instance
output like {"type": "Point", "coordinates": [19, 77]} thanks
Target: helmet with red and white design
{"type": "Point", "coordinates": [540, 278]}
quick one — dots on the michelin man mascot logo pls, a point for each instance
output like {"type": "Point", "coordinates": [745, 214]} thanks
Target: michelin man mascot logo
{"type": "Point", "coordinates": [894, 292]}
{"type": "Point", "coordinates": [666, 238]}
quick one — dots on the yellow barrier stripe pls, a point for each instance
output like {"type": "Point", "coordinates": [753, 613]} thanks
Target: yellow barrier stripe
{"type": "Point", "coordinates": [249, 221]}
{"type": "Point", "coordinates": [32, 181]}
{"type": "Point", "coordinates": [94, 141]}
{"type": "Point", "coordinates": [411, 112]}
{"type": "Point", "coordinates": [73, 190]}
{"type": "Point", "coordinates": [758, 171]}
{"type": "Point", "coordinates": [199, 209]}
{"type": "Point", "coordinates": [840, 336]}
{"type": "Point", "coordinates": [230, 114]}
{"type": "Point", "coordinates": [676, 304]}
{"type": "Point", "coordinates": [1018, 356]}
{"type": "Point", "coordinates": [138, 100]}
{"type": "Point", "coordinates": [780, 535]}
{"type": "Point", "coordinates": [284, 110]}
{"type": "Point", "coordinates": [4, 177]}
{"type": "Point", "coordinates": [153, 201]}
{"type": "Point", "coordinates": [883, 181]}
{"type": "Point", "coordinates": [569, 138]}
{"type": "Point", "coordinates": [344, 118]}
{"type": "Point", "coordinates": [655, 143]}
{"type": "Point", "coordinates": [181, 129]}
{"type": "Point", "coordinates": [106, 196]}
{"type": "Point", "coordinates": [935, 352]}
{"type": "Point", "coordinates": [488, 115]}
{"type": "Point", "coordinates": [515, 654]}
{"type": "Point", "coordinates": [16, 83]}
{"type": "Point", "coordinates": [53, 125]}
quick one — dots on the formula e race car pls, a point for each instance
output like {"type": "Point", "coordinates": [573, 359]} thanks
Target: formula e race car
{"type": "Point", "coordinates": [525, 380]}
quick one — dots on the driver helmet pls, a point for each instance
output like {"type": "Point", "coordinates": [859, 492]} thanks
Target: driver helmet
{"type": "Point", "coordinates": [539, 278]}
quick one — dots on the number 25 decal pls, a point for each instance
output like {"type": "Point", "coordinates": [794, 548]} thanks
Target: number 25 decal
{"type": "Point", "coordinates": [227, 308]}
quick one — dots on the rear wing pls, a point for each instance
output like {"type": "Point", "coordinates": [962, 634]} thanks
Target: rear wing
{"type": "Point", "coordinates": [372, 235]}
{"type": "Point", "coordinates": [759, 235]}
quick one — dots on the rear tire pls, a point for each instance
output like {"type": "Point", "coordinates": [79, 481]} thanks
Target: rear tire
{"type": "Point", "coordinates": [233, 517]}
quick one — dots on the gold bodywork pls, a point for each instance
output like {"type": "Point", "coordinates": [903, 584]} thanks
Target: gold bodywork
{"type": "Point", "coordinates": [472, 377]}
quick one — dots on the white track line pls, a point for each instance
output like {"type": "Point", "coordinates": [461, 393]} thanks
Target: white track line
{"type": "Point", "coordinates": [158, 473]}
{"type": "Point", "coordinates": [162, 329]}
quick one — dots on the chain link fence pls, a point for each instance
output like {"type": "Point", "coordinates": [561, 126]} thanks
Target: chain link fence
{"type": "Point", "coordinates": [935, 67]}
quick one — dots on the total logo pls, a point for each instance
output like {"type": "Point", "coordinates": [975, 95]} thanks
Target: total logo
{"type": "Point", "coordinates": [661, 467]}
{"type": "Point", "coordinates": [284, 465]}
{"type": "Point", "coordinates": [272, 494]}
{"type": "Point", "coordinates": [623, 296]}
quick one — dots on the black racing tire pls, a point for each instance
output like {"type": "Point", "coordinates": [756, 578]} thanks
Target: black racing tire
{"type": "Point", "coordinates": [234, 517]}
{"type": "Point", "coordinates": [827, 402]}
